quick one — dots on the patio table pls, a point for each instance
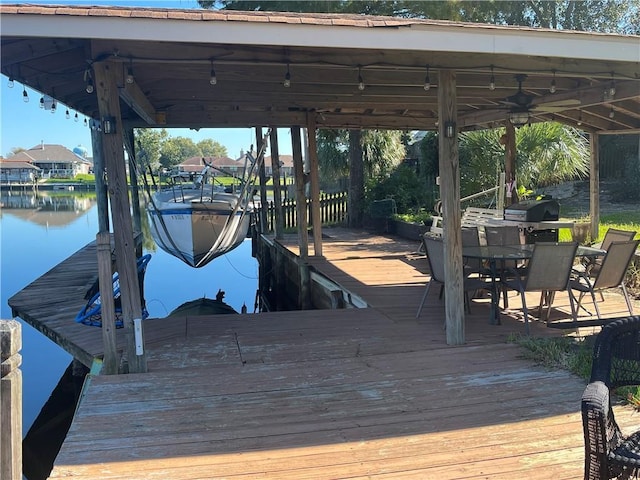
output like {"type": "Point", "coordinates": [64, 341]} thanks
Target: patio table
{"type": "Point", "coordinates": [494, 253]}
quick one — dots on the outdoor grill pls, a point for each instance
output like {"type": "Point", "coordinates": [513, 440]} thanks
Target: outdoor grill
{"type": "Point", "coordinates": [533, 211]}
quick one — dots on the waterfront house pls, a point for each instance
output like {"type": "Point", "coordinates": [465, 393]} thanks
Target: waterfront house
{"type": "Point", "coordinates": [54, 161]}
{"type": "Point", "coordinates": [18, 171]}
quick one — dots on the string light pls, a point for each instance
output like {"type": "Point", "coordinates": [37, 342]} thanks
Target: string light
{"type": "Point", "coordinates": [612, 87]}
{"type": "Point", "coordinates": [552, 87]}
{"type": "Point", "coordinates": [130, 78]}
{"type": "Point", "coordinates": [67, 115]}
{"type": "Point", "coordinates": [212, 78]}
{"type": "Point", "coordinates": [10, 82]}
{"type": "Point", "coordinates": [612, 113]}
{"type": "Point", "coordinates": [76, 118]}
{"type": "Point", "coordinates": [579, 117]}
{"type": "Point", "coordinates": [89, 79]}
{"type": "Point", "coordinates": [42, 102]}
{"type": "Point", "coordinates": [427, 81]}
{"type": "Point", "coordinates": [85, 122]}
{"type": "Point", "coordinates": [25, 95]}
{"type": "Point", "coordinates": [54, 105]}
{"type": "Point", "coordinates": [360, 80]}
{"type": "Point", "coordinates": [492, 80]}
{"type": "Point", "coordinates": [287, 78]}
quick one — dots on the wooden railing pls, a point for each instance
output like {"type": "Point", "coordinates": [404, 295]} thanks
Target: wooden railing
{"type": "Point", "coordinates": [333, 209]}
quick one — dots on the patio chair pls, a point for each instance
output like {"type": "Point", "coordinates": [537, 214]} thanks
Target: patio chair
{"type": "Point", "coordinates": [435, 255]}
{"type": "Point", "coordinates": [592, 265]}
{"type": "Point", "coordinates": [610, 274]}
{"type": "Point", "coordinates": [616, 363]}
{"type": "Point", "coordinates": [548, 272]}
{"type": "Point", "coordinates": [471, 238]}
{"type": "Point", "coordinates": [505, 235]}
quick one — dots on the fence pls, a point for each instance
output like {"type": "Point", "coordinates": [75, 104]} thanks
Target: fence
{"type": "Point", "coordinates": [333, 209]}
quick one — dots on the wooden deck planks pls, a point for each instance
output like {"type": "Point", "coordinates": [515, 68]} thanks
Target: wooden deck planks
{"type": "Point", "coordinates": [354, 393]}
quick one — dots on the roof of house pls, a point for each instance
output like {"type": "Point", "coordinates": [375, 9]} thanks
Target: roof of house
{"type": "Point", "coordinates": [8, 164]}
{"type": "Point", "coordinates": [47, 152]}
{"type": "Point", "coordinates": [285, 160]}
{"type": "Point", "coordinates": [194, 164]}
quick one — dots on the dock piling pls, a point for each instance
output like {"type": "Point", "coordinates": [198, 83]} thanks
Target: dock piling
{"type": "Point", "coordinates": [10, 400]}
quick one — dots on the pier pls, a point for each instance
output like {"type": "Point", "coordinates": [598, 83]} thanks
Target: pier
{"type": "Point", "coordinates": [352, 392]}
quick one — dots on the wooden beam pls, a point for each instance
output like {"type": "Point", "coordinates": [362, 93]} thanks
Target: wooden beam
{"type": "Point", "coordinates": [277, 188]}
{"type": "Point", "coordinates": [301, 200]}
{"type": "Point", "coordinates": [262, 175]}
{"type": "Point", "coordinates": [108, 310]}
{"type": "Point", "coordinates": [594, 185]}
{"type": "Point", "coordinates": [102, 196]}
{"type": "Point", "coordinates": [450, 188]}
{"type": "Point", "coordinates": [139, 103]}
{"type": "Point", "coordinates": [314, 176]}
{"type": "Point", "coordinates": [113, 149]}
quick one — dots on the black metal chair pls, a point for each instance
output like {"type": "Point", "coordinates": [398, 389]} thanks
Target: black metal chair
{"type": "Point", "coordinates": [616, 362]}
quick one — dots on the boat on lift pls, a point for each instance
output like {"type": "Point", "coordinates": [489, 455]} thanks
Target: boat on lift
{"type": "Point", "coordinates": [198, 221]}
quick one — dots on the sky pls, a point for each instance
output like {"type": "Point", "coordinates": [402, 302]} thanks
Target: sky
{"type": "Point", "coordinates": [25, 125]}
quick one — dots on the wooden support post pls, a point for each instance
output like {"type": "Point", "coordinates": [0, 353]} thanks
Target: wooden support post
{"type": "Point", "coordinates": [277, 188]}
{"type": "Point", "coordinates": [301, 201]}
{"type": "Point", "coordinates": [594, 185]}
{"type": "Point", "coordinates": [262, 175]}
{"type": "Point", "coordinates": [108, 311]}
{"type": "Point", "coordinates": [314, 176]}
{"type": "Point", "coordinates": [450, 188]}
{"type": "Point", "coordinates": [135, 193]}
{"type": "Point", "coordinates": [510, 162]}
{"type": "Point", "coordinates": [355, 209]}
{"type": "Point", "coordinates": [101, 184]}
{"type": "Point", "coordinates": [113, 149]}
{"type": "Point", "coordinates": [10, 400]}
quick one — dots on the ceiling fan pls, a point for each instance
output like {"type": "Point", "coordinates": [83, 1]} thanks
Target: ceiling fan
{"type": "Point", "coordinates": [521, 101]}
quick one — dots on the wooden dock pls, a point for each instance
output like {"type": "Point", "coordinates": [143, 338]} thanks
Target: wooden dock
{"type": "Point", "coordinates": [352, 393]}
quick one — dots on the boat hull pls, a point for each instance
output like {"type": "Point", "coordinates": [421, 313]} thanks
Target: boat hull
{"type": "Point", "coordinates": [197, 232]}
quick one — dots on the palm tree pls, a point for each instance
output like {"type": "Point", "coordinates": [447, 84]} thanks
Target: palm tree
{"type": "Point", "coordinates": [547, 153]}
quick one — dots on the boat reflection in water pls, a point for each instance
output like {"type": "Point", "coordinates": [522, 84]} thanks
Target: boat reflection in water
{"type": "Point", "coordinates": [206, 306]}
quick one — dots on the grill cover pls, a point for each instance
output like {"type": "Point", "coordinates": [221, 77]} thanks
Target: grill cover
{"type": "Point", "coordinates": [533, 211]}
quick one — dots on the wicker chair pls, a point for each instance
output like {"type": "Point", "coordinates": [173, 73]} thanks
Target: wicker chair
{"type": "Point", "coordinates": [616, 362]}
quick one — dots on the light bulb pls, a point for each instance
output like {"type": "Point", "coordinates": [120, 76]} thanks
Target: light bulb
{"type": "Point", "coordinates": [10, 82]}
{"type": "Point", "coordinates": [85, 122]}
{"type": "Point", "coordinates": [287, 80]}
{"type": "Point", "coordinates": [492, 83]}
{"type": "Point", "coordinates": [67, 115]}
{"type": "Point", "coordinates": [76, 118]}
{"type": "Point", "coordinates": [129, 78]}
{"type": "Point", "coordinates": [213, 80]}
{"type": "Point", "coordinates": [552, 87]}
{"type": "Point", "coordinates": [612, 113]}
{"type": "Point", "coordinates": [42, 102]}
{"type": "Point", "coordinates": [53, 107]}
{"type": "Point", "coordinates": [89, 88]}
{"type": "Point", "coordinates": [25, 95]}
{"type": "Point", "coordinates": [360, 83]}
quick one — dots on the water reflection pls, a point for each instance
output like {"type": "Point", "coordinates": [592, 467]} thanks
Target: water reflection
{"type": "Point", "coordinates": [48, 209]}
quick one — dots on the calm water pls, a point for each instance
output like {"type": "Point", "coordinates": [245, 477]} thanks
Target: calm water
{"type": "Point", "coordinates": [38, 232]}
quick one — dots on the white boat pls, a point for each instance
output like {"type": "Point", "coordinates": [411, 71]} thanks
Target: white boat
{"type": "Point", "coordinates": [197, 222]}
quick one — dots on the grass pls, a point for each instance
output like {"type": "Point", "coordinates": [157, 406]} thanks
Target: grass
{"type": "Point", "coordinates": [569, 353]}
